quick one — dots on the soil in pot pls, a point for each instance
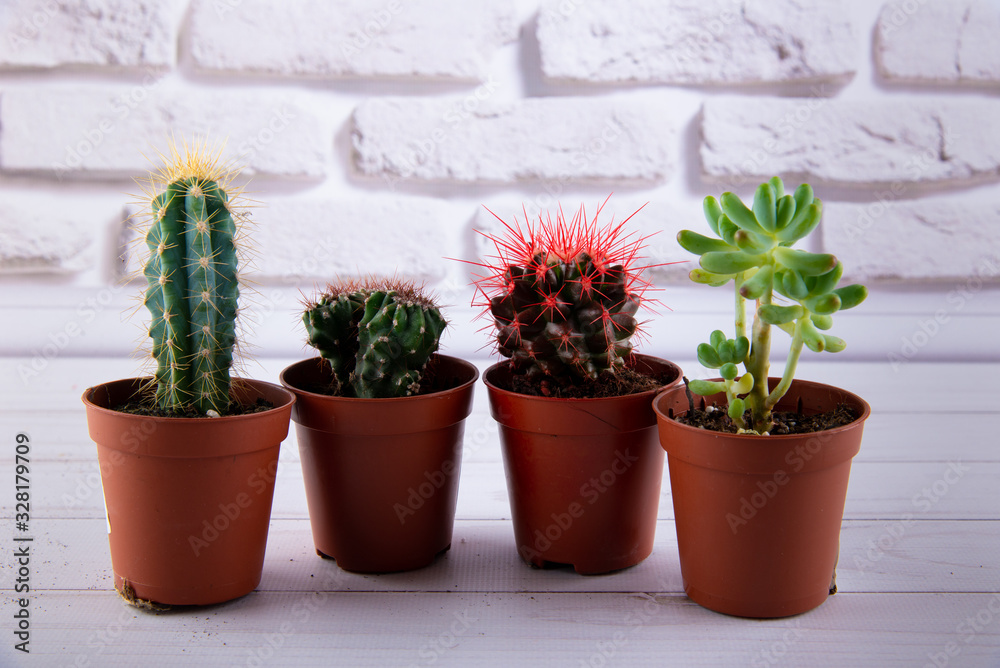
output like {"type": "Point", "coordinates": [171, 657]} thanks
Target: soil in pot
{"type": "Point", "coordinates": [382, 475]}
{"type": "Point", "coordinates": [625, 381]}
{"type": "Point", "coordinates": [713, 416]}
{"type": "Point", "coordinates": [583, 475]}
{"type": "Point", "coordinates": [758, 517]}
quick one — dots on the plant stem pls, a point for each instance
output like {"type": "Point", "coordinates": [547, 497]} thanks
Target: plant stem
{"type": "Point", "coordinates": [741, 311]}
{"type": "Point", "coordinates": [786, 378]}
{"type": "Point", "coordinates": [759, 364]}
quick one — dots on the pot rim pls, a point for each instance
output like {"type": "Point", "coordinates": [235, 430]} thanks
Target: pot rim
{"type": "Point", "coordinates": [865, 413]}
{"type": "Point", "coordinates": [187, 437]}
{"type": "Point", "coordinates": [289, 399]}
{"type": "Point", "coordinates": [491, 370]}
{"type": "Point", "coordinates": [291, 387]}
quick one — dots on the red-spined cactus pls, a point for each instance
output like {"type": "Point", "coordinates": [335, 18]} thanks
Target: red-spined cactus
{"type": "Point", "coordinates": [564, 295]}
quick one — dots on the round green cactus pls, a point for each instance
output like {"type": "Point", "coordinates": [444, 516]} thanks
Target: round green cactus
{"type": "Point", "coordinates": [377, 335]}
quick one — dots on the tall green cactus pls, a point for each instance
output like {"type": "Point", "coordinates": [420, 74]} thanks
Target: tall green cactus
{"type": "Point", "coordinates": [192, 288]}
{"type": "Point", "coordinates": [377, 336]}
{"type": "Point", "coordinates": [563, 296]}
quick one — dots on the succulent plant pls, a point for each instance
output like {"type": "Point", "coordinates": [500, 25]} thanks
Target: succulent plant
{"type": "Point", "coordinates": [564, 295]}
{"type": "Point", "coordinates": [377, 335]}
{"type": "Point", "coordinates": [192, 278]}
{"type": "Point", "coordinates": [754, 251]}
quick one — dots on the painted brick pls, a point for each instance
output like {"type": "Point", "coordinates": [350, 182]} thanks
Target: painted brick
{"type": "Point", "coordinates": [446, 39]}
{"type": "Point", "coordinates": [293, 242]}
{"type": "Point", "coordinates": [100, 134]}
{"type": "Point", "coordinates": [941, 238]}
{"type": "Point", "coordinates": [45, 237]}
{"type": "Point", "coordinates": [564, 139]}
{"type": "Point", "coordinates": [122, 34]}
{"type": "Point", "coordinates": [696, 41]}
{"type": "Point", "coordinates": [855, 143]}
{"type": "Point", "coordinates": [939, 41]}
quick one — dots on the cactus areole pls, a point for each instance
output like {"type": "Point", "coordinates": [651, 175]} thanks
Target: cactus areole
{"type": "Point", "coordinates": [192, 280]}
{"type": "Point", "coordinates": [564, 295]}
{"type": "Point", "coordinates": [377, 335]}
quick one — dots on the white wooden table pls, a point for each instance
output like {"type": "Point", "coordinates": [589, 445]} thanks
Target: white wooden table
{"type": "Point", "coordinates": [919, 566]}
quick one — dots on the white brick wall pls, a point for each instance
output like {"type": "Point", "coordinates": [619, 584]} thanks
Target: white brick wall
{"type": "Point", "coordinates": [116, 34]}
{"type": "Point", "coordinates": [102, 133]}
{"type": "Point", "coordinates": [696, 41]}
{"type": "Point", "coordinates": [943, 42]}
{"type": "Point", "coordinates": [350, 38]}
{"type": "Point", "coordinates": [463, 140]}
{"type": "Point", "coordinates": [373, 133]}
{"type": "Point", "coordinates": [849, 142]}
{"type": "Point", "coordinates": [937, 238]}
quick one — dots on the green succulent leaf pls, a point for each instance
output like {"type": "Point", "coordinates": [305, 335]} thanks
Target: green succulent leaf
{"type": "Point", "coordinates": [727, 351]}
{"type": "Point", "coordinates": [824, 283]}
{"type": "Point", "coordinates": [805, 221]}
{"type": "Point", "coordinates": [773, 314]}
{"type": "Point", "coordinates": [699, 244]}
{"type": "Point", "coordinates": [739, 214]}
{"type": "Point", "coordinates": [833, 343]}
{"type": "Point", "coordinates": [764, 207]}
{"type": "Point", "coordinates": [822, 321]}
{"type": "Point", "coordinates": [778, 185]}
{"type": "Point", "coordinates": [709, 278]}
{"type": "Point", "coordinates": [804, 262]}
{"type": "Point", "coordinates": [803, 196]}
{"type": "Point", "coordinates": [786, 209]}
{"type": "Point", "coordinates": [759, 283]}
{"type": "Point", "coordinates": [730, 262]}
{"type": "Point", "coordinates": [716, 338]}
{"type": "Point", "coordinates": [708, 356]}
{"type": "Point", "coordinates": [813, 338]}
{"type": "Point", "coordinates": [706, 388]}
{"type": "Point", "coordinates": [751, 243]}
{"type": "Point", "coordinates": [712, 213]}
{"type": "Point", "coordinates": [728, 229]}
{"type": "Point", "coordinates": [728, 371]}
{"type": "Point", "coordinates": [824, 304]}
{"type": "Point", "coordinates": [743, 385]}
{"type": "Point", "coordinates": [741, 349]}
{"type": "Point", "coordinates": [792, 284]}
{"type": "Point", "coordinates": [851, 295]}
{"type": "Point", "coordinates": [736, 409]}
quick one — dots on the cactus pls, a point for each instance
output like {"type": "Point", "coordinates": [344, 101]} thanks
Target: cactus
{"type": "Point", "coordinates": [377, 335]}
{"type": "Point", "coordinates": [754, 250]}
{"type": "Point", "coordinates": [564, 295]}
{"type": "Point", "coordinates": [192, 280]}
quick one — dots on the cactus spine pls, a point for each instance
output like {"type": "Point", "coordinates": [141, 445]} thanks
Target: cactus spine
{"type": "Point", "coordinates": [192, 281]}
{"type": "Point", "coordinates": [377, 335]}
{"type": "Point", "coordinates": [564, 295]}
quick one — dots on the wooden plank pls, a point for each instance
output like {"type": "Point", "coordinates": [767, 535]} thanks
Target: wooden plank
{"type": "Point", "coordinates": [877, 490]}
{"type": "Point", "coordinates": [875, 557]}
{"type": "Point", "coordinates": [502, 629]}
{"type": "Point", "coordinates": [890, 316]}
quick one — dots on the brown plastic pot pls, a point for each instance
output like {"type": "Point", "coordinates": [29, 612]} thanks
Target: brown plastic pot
{"type": "Point", "coordinates": [381, 475]}
{"type": "Point", "coordinates": [188, 499]}
{"type": "Point", "coordinates": [758, 517]}
{"type": "Point", "coordinates": [583, 475]}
